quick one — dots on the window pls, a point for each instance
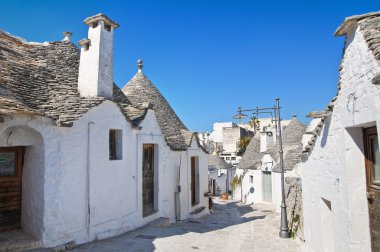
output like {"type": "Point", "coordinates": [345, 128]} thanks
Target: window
{"type": "Point", "coordinates": [251, 179]}
{"type": "Point", "coordinates": [233, 158]}
{"type": "Point", "coordinates": [115, 144]}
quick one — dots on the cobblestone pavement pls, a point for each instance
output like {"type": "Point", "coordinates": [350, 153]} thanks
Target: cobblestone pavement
{"type": "Point", "coordinates": [232, 227]}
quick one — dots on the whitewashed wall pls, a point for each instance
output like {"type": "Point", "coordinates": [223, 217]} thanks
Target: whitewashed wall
{"type": "Point", "coordinates": [220, 181]}
{"type": "Point", "coordinates": [335, 170]}
{"type": "Point", "coordinates": [185, 195]}
{"type": "Point", "coordinates": [217, 133]}
{"type": "Point", "coordinates": [63, 175]}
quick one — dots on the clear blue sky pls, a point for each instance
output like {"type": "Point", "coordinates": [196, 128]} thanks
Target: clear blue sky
{"type": "Point", "coordinates": [209, 57]}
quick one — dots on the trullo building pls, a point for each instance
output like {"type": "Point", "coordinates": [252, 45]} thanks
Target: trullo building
{"type": "Point", "coordinates": [341, 171]}
{"type": "Point", "coordinates": [79, 158]}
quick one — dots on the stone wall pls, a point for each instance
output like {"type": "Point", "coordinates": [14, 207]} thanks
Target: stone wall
{"type": "Point", "coordinates": [293, 200]}
{"type": "Point", "coordinates": [334, 182]}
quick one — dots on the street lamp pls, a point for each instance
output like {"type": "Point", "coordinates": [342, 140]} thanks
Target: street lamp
{"type": "Point", "coordinates": [284, 230]}
{"type": "Point", "coordinates": [240, 115]}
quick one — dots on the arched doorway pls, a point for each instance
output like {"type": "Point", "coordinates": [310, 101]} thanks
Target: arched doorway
{"type": "Point", "coordinates": [21, 180]}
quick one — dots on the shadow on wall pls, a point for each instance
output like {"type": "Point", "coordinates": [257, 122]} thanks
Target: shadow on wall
{"type": "Point", "coordinates": [325, 133]}
{"type": "Point", "coordinates": [356, 134]}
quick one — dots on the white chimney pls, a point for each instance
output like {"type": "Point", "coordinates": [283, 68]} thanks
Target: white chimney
{"type": "Point", "coordinates": [96, 58]}
{"type": "Point", "coordinates": [263, 141]}
{"type": "Point", "coordinates": [266, 139]}
{"type": "Point", "coordinates": [67, 36]}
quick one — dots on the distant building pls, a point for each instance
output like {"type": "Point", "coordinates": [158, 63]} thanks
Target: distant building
{"type": "Point", "coordinates": [220, 174]}
{"type": "Point", "coordinates": [260, 164]}
{"type": "Point", "coordinates": [225, 137]}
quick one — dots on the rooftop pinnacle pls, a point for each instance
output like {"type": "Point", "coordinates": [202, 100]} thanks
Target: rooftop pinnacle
{"type": "Point", "coordinates": [139, 65]}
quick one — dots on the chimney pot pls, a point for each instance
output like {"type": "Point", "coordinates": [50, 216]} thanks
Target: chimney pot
{"type": "Point", "coordinates": [67, 35]}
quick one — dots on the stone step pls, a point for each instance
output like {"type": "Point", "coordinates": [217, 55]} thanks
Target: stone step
{"type": "Point", "coordinates": [17, 240]}
{"type": "Point", "coordinates": [160, 222]}
{"type": "Point", "coordinates": [198, 210]}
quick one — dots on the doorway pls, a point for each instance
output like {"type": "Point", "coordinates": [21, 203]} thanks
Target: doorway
{"type": "Point", "coordinates": [194, 181]}
{"type": "Point", "coordinates": [213, 186]}
{"type": "Point", "coordinates": [11, 162]}
{"type": "Point", "coordinates": [372, 164]}
{"type": "Point", "coordinates": [148, 180]}
{"type": "Point", "coordinates": [267, 186]}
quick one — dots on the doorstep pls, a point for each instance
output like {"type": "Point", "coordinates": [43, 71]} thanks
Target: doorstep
{"type": "Point", "coordinates": [17, 240]}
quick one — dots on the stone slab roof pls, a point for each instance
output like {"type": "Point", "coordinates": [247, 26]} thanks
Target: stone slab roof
{"type": "Point", "coordinates": [42, 79]}
{"type": "Point", "coordinates": [252, 155]}
{"type": "Point", "coordinates": [141, 90]}
{"type": "Point", "coordinates": [216, 162]}
{"type": "Point", "coordinates": [292, 147]}
{"type": "Point", "coordinates": [369, 25]}
{"type": "Point", "coordinates": [351, 21]}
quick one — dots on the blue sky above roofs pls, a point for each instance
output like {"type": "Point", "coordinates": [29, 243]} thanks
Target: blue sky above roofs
{"type": "Point", "coordinates": [209, 57]}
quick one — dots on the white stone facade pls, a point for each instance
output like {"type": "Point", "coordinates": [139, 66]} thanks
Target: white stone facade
{"type": "Point", "coordinates": [333, 178]}
{"type": "Point", "coordinates": [73, 192]}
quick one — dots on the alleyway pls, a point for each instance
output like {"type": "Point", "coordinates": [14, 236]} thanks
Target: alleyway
{"type": "Point", "coordinates": [232, 227]}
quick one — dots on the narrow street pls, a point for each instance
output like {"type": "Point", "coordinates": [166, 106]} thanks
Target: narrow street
{"type": "Point", "coordinates": [232, 227]}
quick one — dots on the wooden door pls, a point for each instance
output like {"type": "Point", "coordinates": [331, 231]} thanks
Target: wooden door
{"type": "Point", "coordinates": [193, 200]}
{"type": "Point", "coordinates": [213, 187]}
{"type": "Point", "coordinates": [267, 186]}
{"type": "Point", "coordinates": [148, 179]}
{"type": "Point", "coordinates": [372, 164]}
{"type": "Point", "coordinates": [10, 187]}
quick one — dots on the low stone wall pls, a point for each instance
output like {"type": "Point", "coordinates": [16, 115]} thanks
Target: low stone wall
{"type": "Point", "coordinates": [293, 194]}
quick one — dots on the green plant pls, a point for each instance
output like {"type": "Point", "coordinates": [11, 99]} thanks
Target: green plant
{"type": "Point", "coordinates": [235, 182]}
{"type": "Point", "coordinates": [295, 225]}
{"type": "Point", "coordinates": [254, 123]}
{"type": "Point", "coordinates": [242, 145]}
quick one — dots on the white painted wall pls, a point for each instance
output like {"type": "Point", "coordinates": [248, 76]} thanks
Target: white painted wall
{"type": "Point", "coordinates": [230, 137]}
{"type": "Point", "coordinates": [222, 179]}
{"type": "Point", "coordinates": [217, 133]}
{"type": "Point", "coordinates": [335, 169]}
{"type": "Point", "coordinates": [63, 175]}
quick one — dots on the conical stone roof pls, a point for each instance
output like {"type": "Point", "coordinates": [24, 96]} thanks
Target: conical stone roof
{"type": "Point", "coordinates": [42, 79]}
{"type": "Point", "coordinates": [292, 147]}
{"type": "Point", "coordinates": [141, 90]}
{"type": "Point", "coordinates": [216, 162]}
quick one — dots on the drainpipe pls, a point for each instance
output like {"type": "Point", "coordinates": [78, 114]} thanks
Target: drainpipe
{"type": "Point", "coordinates": [136, 129]}
{"type": "Point", "coordinates": [88, 212]}
{"type": "Point", "coordinates": [177, 199]}
{"type": "Point", "coordinates": [137, 172]}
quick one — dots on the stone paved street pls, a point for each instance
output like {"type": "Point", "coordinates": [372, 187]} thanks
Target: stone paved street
{"type": "Point", "coordinates": [232, 227]}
